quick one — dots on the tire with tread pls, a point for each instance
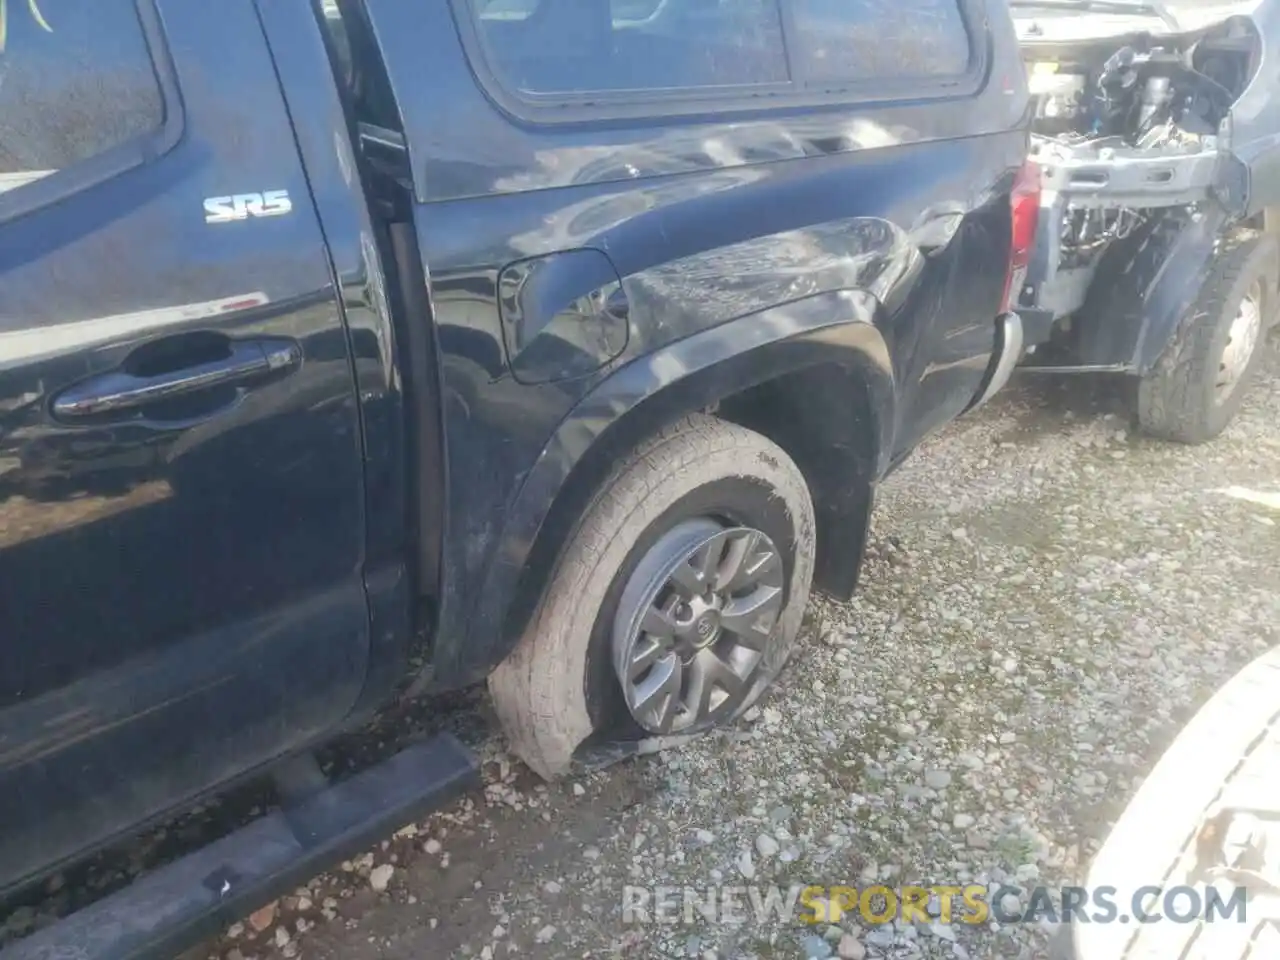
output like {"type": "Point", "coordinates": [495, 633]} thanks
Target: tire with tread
{"type": "Point", "coordinates": [1176, 398]}
{"type": "Point", "coordinates": [540, 690]}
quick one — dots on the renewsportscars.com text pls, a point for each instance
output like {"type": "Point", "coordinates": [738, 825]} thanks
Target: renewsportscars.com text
{"type": "Point", "coordinates": [968, 904]}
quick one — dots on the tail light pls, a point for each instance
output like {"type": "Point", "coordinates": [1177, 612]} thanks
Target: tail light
{"type": "Point", "coordinates": [1024, 207]}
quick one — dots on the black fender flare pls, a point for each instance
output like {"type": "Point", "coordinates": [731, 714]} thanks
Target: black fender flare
{"type": "Point", "coordinates": [1172, 296]}
{"type": "Point", "coordinates": [1139, 296]}
{"type": "Point", "coordinates": [1177, 284]}
{"type": "Point", "coordinates": [690, 374]}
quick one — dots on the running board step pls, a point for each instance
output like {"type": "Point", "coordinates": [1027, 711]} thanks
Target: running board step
{"type": "Point", "coordinates": [176, 907]}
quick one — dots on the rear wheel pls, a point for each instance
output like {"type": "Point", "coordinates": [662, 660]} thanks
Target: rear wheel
{"type": "Point", "coordinates": [675, 602]}
{"type": "Point", "coordinates": [1197, 385]}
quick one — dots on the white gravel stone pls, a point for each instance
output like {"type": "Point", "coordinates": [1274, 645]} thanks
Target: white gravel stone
{"type": "Point", "coordinates": [380, 876]}
{"type": "Point", "coordinates": [943, 931]}
{"type": "Point", "coordinates": [766, 846]}
{"type": "Point", "coordinates": [937, 779]}
{"type": "Point", "coordinates": [881, 936]}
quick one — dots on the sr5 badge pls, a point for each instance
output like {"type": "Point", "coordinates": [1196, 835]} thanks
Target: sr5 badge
{"type": "Point", "coordinates": [242, 206]}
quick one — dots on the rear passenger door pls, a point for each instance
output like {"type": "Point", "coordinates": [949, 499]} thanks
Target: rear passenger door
{"type": "Point", "coordinates": [180, 470]}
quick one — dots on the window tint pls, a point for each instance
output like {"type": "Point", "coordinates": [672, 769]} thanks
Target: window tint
{"type": "Point", "coordinates": [76, 79]}
{"type": "Point", "coordinates": [573, 46]}
{"type": "Point", "coordinates": [852, 40]}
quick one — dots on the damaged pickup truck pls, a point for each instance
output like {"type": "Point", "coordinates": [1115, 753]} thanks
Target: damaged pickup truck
{"type": "Point", "coordinates": [1157, 135]}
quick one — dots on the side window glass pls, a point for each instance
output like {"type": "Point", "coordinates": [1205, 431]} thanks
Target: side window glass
{"type": "Point", "coordinates": [857, 40]}
{"type": "Point", "coordinates": [76, 79]}
{"type": "Point", "coordinates": [580, 46]}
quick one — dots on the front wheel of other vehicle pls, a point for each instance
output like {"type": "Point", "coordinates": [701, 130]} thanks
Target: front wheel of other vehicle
{"type": "Point", "coordinates": [674, 604]}
{"type": "Point", "coordinates": [1197, 385]}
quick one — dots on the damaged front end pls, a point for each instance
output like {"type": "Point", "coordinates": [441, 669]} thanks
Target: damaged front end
{"type": "Point", "coordinates": [1153, 134]}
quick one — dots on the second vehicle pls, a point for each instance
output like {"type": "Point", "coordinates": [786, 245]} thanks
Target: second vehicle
{"type": "Point", "coordinates": [1157, 255]}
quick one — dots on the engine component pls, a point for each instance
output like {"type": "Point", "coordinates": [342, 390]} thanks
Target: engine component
{"type": "Point", "coordinates": [1121, 138]}
{"type": "Point", "coordinates": [1059, 98]}
{"type": "Point", "coordinates": [1131, 130]}
{"type": "Point", "coordinates": [1087, 231]}
{"type": "Point", "coordinates": [1155, 98]}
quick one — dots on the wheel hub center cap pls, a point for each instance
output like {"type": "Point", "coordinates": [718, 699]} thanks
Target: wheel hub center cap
{"type": "Point", "coordinates": [697, 623]}
{"type": "Point", "coordinates": [706, 627]}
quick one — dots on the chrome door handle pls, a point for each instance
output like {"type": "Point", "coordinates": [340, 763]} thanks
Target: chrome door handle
{"type": "Point", "coordinates": [120, 391]}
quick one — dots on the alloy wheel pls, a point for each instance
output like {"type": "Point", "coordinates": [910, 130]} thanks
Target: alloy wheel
{"type": "Point", "coordinates": [694, 624]}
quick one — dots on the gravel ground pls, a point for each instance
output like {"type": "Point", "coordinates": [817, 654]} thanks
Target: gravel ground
{"type": "Point", "coordinates": [1047, 599]}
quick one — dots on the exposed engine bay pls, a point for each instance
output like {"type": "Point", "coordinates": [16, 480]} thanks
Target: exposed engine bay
{"type": "Point", "coordinates": [1127, 130]}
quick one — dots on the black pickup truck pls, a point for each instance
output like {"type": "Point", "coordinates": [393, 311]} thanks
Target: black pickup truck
{"type": "Point", "coordinates": [354, 351]}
